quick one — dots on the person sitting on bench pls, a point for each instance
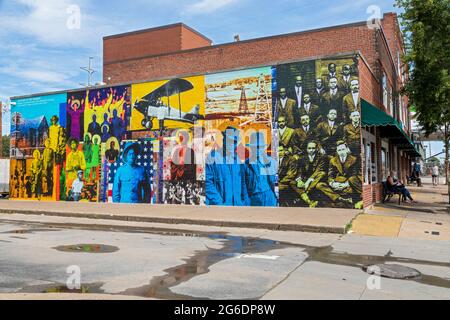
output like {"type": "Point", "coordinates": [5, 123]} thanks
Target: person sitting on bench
{"type": "Point", "coordinates": [415, 174]}
{"type": "Point", "coordinates": [395, 185]}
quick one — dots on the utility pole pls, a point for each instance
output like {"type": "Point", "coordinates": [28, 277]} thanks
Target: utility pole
{"type": "Point", "coordinates": [431, 151]}
{"type": "Point", "coordinates": [90, 72]}
{"type": "Point", "coordinates": [1, 128]}
{"type": "Point", "coordinates": [447, 157]}
{"type": "Point", "coordinates": [4, 110]}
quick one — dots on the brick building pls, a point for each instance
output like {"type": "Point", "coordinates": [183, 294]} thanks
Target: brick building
{"type": "Point", "coordinates": [322, 106]}
{"type": "Point", "coordinates": [179, 51]}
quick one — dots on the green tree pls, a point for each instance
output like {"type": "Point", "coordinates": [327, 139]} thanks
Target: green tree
{"type": "Point", "coordinates": [5, 147]}
{"type": "Point", "coordinates": [426, 26]}
{"type": "Point", "coordinates": [434, 160]}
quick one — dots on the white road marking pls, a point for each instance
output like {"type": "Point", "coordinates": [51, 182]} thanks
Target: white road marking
{"type": "Point", "coordinates": [257, 256]}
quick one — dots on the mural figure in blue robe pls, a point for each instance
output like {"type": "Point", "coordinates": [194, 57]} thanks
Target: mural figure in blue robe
{"type": "Point", "coordinates": [260, 173]}
{"type": "Point", "coordinates": [225, 173]}
{"type": "Point", "coordinates": [131, 183]}
{"type": "Point", "coordinates": [117, 126]}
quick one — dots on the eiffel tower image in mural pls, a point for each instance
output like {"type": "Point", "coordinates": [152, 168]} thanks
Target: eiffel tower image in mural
{"type": "Point", "coordinates": [262, 113]}
{"type": "Point", "coordinates": [243, 105]}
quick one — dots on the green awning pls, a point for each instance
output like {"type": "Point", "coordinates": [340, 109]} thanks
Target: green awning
{"type": "Point", "coordinates": [374, 117]}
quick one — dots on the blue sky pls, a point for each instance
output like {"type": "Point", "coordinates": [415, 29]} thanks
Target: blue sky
{"type": "Point", "coordinates": [38, 53]}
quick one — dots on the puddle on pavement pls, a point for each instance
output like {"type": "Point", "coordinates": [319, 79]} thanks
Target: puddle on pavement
{"type": "Point", "coordinates": [328, 256]}
{"type": "Point", "coordinates": [199, 264]}
{"type": "Point", "coordinates": [201, 261]}
{"type": "Point", "coordinates": [87, 248]}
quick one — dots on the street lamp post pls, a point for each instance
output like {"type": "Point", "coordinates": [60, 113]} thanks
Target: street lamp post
{"type": "Point", "coordinates": [161, 117]}
{"type": "Point", "coordinates": [90, 72]}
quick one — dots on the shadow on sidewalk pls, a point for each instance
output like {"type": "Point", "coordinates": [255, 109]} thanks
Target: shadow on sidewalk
{"type": "Point", "coordinates": [429, 199]}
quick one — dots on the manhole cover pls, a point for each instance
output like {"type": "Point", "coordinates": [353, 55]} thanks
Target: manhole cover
{"type": "Point", "coordinates": [392, 271]}
{"type": "Point", "coordinates": [88, 248]}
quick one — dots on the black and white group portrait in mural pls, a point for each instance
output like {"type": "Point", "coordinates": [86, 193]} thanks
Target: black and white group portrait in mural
{"type": "Point", "coordinates": [184, 192]}
{"type": "Point", "coordinates": [318, 122]}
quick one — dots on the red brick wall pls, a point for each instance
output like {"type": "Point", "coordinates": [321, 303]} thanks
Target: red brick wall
{"type": "Point", "coordinates": [372, 194]}
{"type": "Point", "coordinates": [264, 51]}
{"type": "Point", "coordinates": [367, 195]}
{"type": "Point", "coordinates": [135, 45]}
{"type": "Point", "coordinates": [394, 39]}
{"type": "Point", "coordinates": [371, 92]}
{"type": "Point", "coordinates": [191, 39]}
{"type": "Point", "coordinates": [393, 36]}
{"type": "Point", "coordinates": [370, 85]}
{"type": "Point", "coordinates": [272, 50]}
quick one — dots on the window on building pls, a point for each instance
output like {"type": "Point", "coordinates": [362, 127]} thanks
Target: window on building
{"type": "Point", "coordinates": [385, 90]}
{"type": "Point", "coordinates": [370, 158]}
{"type": "Point", "coordinates": [402, 111]}
{"type": "Point", "coordinates": [391, 101]}
{"type": "Point", "coordinates": [408, 119]}
{"type": "Point", "coordinates": [384, 164]}
{"type": "Point", "coordinates": [373, 163]}
{"type": "Point", "coordinates": [366, 161]}
{"type": "Point", "coordinates": [368, 175]}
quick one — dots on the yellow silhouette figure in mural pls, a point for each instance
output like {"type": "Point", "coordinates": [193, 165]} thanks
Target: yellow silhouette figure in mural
{"type": "Point", "coordinates": [36, 174]}
{"type": "Point", "coordinates": [47, 169]}
{"type": "Point", "coordinates": [75, 162]}
{"type": "Point", "coordinates": [112, 107]}
{"type": "Point", "coordinates": [57, 140]}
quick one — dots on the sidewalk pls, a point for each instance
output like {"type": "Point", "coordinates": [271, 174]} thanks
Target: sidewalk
{"type": "Point", "coordinates": [429, 219]}
{"type": "Point", "coordinates": [286, 219]}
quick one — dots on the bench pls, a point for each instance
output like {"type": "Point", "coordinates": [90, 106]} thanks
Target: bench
{"type": "Point", "coordinates": [413, 179]}
{"type": "Point", "coordinates": [388, 194]}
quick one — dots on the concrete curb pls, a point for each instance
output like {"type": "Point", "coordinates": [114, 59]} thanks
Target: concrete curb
{"type": "Point", "coordinates": [253, 225]}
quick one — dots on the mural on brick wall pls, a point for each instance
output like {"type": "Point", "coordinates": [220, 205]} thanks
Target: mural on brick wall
{"type": "Point", "coordinates": [168, 112]}
{"type": "Point", "coordinates": [286, 135]}
{"type": "Point", "coordinates": [183, 167]}
{"type": "Point", "coordinates": [98, 120]}
{"type": "Point", "coordinates": [38, 143]}
{"type": "Point", "coordinates": [319, 131]}
{"type": "Point", "coordinates": [130, 178]}
{"type": "Point", "coordinates": [240, 167]}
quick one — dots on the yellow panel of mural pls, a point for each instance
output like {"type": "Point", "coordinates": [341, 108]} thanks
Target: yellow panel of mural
{"type": "Point", "coordinates": [180, 102]}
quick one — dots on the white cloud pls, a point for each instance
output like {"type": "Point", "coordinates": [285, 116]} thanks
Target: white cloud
{"type": "Point", "coordinates": [47, 21]}
{"type": "Point", "coordinates": [42, 76]}
{"type": "Point", "coordinates": [207, 6]}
